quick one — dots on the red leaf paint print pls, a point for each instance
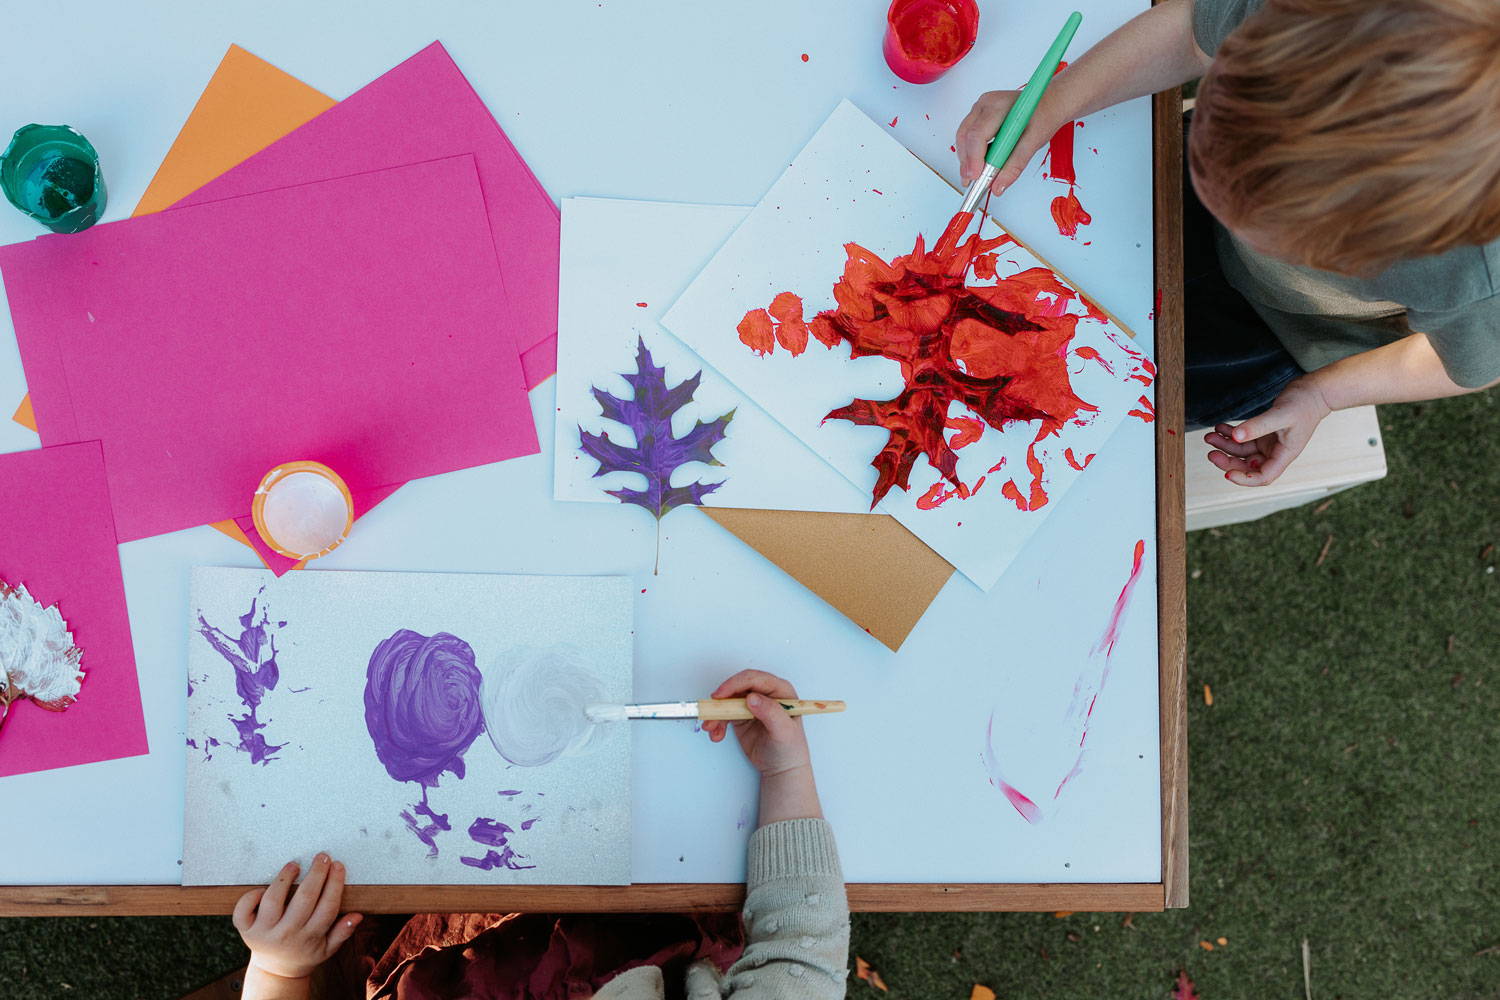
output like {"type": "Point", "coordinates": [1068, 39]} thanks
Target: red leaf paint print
{"type": "Point", "coordinates": [999, 350]}
{"type": "Point", "coordinates": [791, 331]}
{"type": "Point", "coordinates": [1069, 214]}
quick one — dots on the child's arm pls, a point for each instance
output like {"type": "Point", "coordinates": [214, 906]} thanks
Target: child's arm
{"type": "Point", "coordinates": [1258, 451]}
{"type": "Point", "coordinates": [289, 939]}
{"type": "Point", "coordinates": [1151, 52]}
{"type": "Point", "coordinates": [796, 913]}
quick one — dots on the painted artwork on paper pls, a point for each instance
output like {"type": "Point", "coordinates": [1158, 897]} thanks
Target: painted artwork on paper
{"type": "Point", "coordinates": [371, 692]}
{"type": "Point", "coordinates": [38, 658]}
{"type": "Point", "coordinates": [958, 382]}
{"type": "Point", "coordinates": [623, 263]}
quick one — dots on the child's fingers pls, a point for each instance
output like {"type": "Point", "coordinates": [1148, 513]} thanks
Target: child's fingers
{"type": "Point", "coordinates": [1219, 438]}
{"type": "Point", "coordinates": [274, 897]}
{"type": "Point", "coordinates": [306, 896]}
{"type": "Point", "coordinates": [244, 910]}
{"type": "Point", "coordinates": [1229, 463]}
{"type": "Point", "coordinates": [340, 933]}
{"type": "Point", "coordinates": [332, 898]}
{"type": "Point", "coordinates": [1273, 420]}
{"type": "Point", "coordinates": [746, 681]}
{"type": "Point", "coordinates": [768, 713]}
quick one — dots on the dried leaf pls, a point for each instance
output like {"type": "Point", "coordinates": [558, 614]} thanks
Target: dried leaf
{"type": "Point", "coordinates": [981, 993]}
{"type": "Point", "coordinates": [1208, 695]}
{"type": "Point", "coordinates": [864, 971]}
{"type": "Point", "coordinates": [1223, 941]}
{"type": "Point", "coordinates": [1206, 945]}
{"type": "Point", "coordinates": [1320, 508]}
{"type": "Point", "coordinates": [1185, 989]}
{"type": "Point", "coordinates": [1323, 554]}
{"type": "Point", "coordinates": [1063, 913]}
{"type": "Point", "coordinates": [656, 453]}
{"type": "Point", "coordinates": [1129, 921]}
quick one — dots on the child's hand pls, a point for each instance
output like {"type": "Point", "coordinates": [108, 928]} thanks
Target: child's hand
{"type": "Point", "coordinates": [291, 939]}
{"type": "Point", "coordinates": [1259, 450]}
{"type": "Point", "coordinates": [980, 126]}
{"type": "Point", "coordinates": [774, 742]}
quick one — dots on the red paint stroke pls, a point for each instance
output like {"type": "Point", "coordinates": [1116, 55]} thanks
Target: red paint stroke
{"type": "Point", "coordinates": [1069, 214]}
{"type": "Point", "coordinates": [970, 429]}
{"type": "Point", "coordinates": [1089, 354]}
{"type": "Point", "coordinates": [1143, 369]}
{"type": "Point", "coordinates": [1023, 805]}
{"type": "Point", "coordinates": [1068, 454]}
{"type": "Point", "coordinates": [641, 305]}
{"type": "Point", "coordinates": [895, 120]}
{"type": "Point", "coordinates": [804, 57]}
{"type": "Point", "coordinates": [1156, 309]}
{"type": "Point", "coordinates": [938, 495]}
{"type": "Point", "coordinates": [1105, 646]}
{"type": "Point", "coordinates": [1147, 412]}
{"type": "Point", "coordinates": [1036, 497]}
{"type": "Point", "coordinates": [877, 191]}
{"type": "Point", "coordinates": [1000, 350]}
{"type": "Point", "coordinates": [1058, 164]}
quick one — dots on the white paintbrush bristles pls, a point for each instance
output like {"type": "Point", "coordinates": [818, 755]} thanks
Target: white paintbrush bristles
{"type": "Point", "coordinates": [605, 713]}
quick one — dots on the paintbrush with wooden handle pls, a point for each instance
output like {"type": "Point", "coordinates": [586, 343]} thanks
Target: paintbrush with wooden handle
{"type": "Point", "coordinates": [706, 710]}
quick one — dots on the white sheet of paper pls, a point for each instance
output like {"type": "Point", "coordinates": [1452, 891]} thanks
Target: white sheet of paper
{"type": "Point", "coordinates": [855, 182]}
{"type": "Point", "coordinates": [325, 788]}
{"type": "Point", "coordinates": [623, 263]}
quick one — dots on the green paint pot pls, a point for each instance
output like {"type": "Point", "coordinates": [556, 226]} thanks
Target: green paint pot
{"type": "Point", "coordinates": [51, 173]}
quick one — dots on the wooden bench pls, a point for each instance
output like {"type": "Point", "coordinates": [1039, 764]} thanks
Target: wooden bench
{"type": "Point", "coordinates": [1345, 451]}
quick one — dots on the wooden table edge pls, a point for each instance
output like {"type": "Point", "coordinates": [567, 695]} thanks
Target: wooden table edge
{"type": "Point", "coordinates": [148, 900]}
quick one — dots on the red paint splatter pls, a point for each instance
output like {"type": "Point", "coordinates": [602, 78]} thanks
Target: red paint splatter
{"type": "Point", "coordinates": [1156, 309]}
{"type": "Point", "coordinates": [939, 495]}
{"type": "Point", "coordinates": [970, 429]}
{"type": "Point", "coordinates": [1111, 635]}
{"type": "Point", "coordinates": [1068, 454]}
{"type": "Point", "coordinates": [804, 57]}
{"type": "Point", "coordinates": [1147, 412]}
{"type": "Point", "coordinates": [641, 305]}
{"type": "Point", "coordinates": [1089, 354]}
{"type": "Point", "coordinates": [894, 121]}
{"type": "Point", "coordinates": [877, 191]}
{"type": "Point", "coordinates": [1069, 214]}
{"type": "Point", "coordinates": [1000, 350]}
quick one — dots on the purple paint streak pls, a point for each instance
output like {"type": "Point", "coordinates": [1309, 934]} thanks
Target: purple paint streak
{"type": "Point", "coordinates": [506, 858]}
{"type": "Point", "coordinates": [529, 823]}
{"type": "Point", "coordinates": [422, 705]}
{"type": "Point", "coordinates": [489, 832]}
{"type": "Point", "coordinates": [426, 832]}
{"type": "Point", "coordinates": [253, 657]}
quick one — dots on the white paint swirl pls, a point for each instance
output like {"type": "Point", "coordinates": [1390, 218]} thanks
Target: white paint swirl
{"type": "Point", "coordinates": [534, 703]}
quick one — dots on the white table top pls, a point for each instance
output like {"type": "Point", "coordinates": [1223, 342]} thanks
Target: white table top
{"type": "Point", "coordinates": [673, 101]}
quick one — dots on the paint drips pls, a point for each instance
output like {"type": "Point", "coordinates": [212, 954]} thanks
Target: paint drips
{"type": "Point", "coordinates": [496, 836]}
{"type": "Point", "coordinates": [534, 704]}
{"type": "Point", "coordinates": [253, 656]}
{"type": "Point", "coordinates": [1067, 211]}
{"type": "Point", "coordinates": [427, 828]}
{"type": "Point", "coordinates": [999, 350]}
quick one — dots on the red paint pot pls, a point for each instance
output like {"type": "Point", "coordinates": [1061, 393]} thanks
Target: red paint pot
{"type": "Point", "coordinates": [926, 38]}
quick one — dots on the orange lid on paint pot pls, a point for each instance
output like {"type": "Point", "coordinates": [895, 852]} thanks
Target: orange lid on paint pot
{"type": "Point", "coordinates": [303, 510]}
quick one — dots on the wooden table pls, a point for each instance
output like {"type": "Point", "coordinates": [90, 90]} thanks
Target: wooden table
{"type": "Point", "coordinates": [1170, 891]}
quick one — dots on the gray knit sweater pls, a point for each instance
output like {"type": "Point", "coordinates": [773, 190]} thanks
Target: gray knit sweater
{"type": "Point", "coordinates": [796, 926]}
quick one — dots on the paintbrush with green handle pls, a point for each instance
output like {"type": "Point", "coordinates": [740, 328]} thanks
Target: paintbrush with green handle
{"type": "Point", "coordinates": [706, 710]}
{"type": "Point", "coordinates": [1019, 115]}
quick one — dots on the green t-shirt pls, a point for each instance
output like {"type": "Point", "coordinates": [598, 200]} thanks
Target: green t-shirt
{"type": "Point", "coordinates": [1321, 317]}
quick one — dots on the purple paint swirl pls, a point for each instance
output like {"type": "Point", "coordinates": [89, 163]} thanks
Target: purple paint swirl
{"type": "Point", "coordinates": [253, 657]}
{"type": "Point", "coordinates": [422, 705]}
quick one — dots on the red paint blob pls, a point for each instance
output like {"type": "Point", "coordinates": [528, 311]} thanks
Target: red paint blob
{"type": "Point", "coordinates": [926, 38]}
{"type": "Point", "coordinates": [999, 350]}
{"type": "Point", "coordinates": [1069, 214]}
{"type": "Point", "coordinates": [894, 121]}
{"type": "Point", "coordinates": [804, 57]}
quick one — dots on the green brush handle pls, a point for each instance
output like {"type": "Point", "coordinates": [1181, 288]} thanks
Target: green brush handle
{"type": "Point", "coordinates": [1020, 112]}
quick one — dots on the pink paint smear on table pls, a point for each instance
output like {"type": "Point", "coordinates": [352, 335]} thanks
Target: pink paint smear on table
{"type": "Point", "coordinates": [1085, 698]}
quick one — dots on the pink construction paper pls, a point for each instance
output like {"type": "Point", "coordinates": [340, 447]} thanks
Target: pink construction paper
{"type": "Point", "coordinates": [421, 110]}
{"type": "Point", "coordinates": [350, 321]}
{"type": "Point", "coordinates": [57, 537]}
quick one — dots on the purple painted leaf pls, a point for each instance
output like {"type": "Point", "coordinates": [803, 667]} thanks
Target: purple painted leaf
{"type": "Point", "coordinates": [656, 453]}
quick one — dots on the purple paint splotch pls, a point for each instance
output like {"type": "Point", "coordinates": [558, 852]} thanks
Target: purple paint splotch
{"type": "Point", "coordinates": [426, 832]}
{"type": "Point", "coordinates": [422, 711]}
{"type": "Point", "coordinates": [496, 836]}
{"type": "Point", "coordinates": [253, 657]}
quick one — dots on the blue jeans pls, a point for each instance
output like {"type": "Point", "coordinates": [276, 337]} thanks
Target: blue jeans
{"type": "Point", "coordinates": [1235, 366]}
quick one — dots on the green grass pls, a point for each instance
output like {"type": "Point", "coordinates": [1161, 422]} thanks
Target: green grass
{"type": "Point", "coordinates": [1344, 783]}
